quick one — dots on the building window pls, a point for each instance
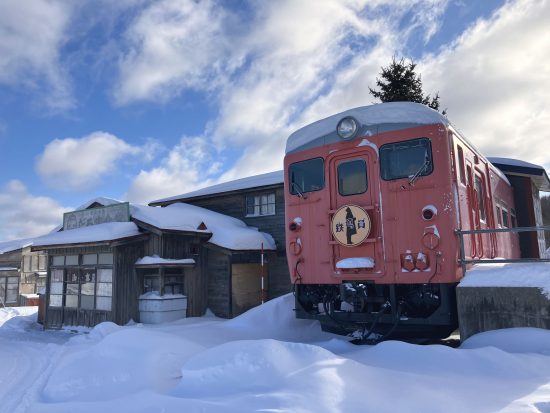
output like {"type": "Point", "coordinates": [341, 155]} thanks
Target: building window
{"type": "Point", "coordinates": [259, 205]}
{"type": "Point", "coordinates": [80, 282]}
{"type": "Point", "coordinates": [9, 289]}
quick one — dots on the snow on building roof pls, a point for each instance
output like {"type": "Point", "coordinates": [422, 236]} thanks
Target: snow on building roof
{"type": "Point", "coordinates": [106, 232]}
{"type": "Point", "coordinates": [521, 168]}
{"type": "Point", "coordinates": [227, 232]}
{"type": "Point", "coordinates": [14, 245]}
{"type": "Point", "coordinates": [155, 260]}
{"type": "Point", "coordinates": [509, 275]}
{"type": "Point", "coordinates": [393, 115]}
{"type": "Point", "coordinates": [9, 269]}
{"type": "Point", "coordinates": [267, 179]}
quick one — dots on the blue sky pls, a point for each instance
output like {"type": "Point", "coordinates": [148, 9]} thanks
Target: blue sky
{"type": "Point", "coordinates": [138, 100]}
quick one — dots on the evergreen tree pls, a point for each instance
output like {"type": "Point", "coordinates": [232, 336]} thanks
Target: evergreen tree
{"type": "Point", "coordinates": [400, 83]}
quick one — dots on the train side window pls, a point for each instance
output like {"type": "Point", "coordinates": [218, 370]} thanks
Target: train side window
{"type": "Point", "coordinates": [499, 216]}
{"type": "Point", "coordinates": [480, 191]}
{"type": "Point", "coordinates": [461, 173]}
{"type": "Point", "coordinates": [406, 159]}
{"type": "Point", "coordinates": [513, 218]}
{"type": "Point", "coordinates": [306, 176]}
{"type": "Point", "coordinates": [352, 177]}
{"type": "Point", "coordinates": [505, 218]}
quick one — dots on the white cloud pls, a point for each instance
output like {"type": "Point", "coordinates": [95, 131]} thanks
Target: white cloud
{"type": "Point", "coordinates": [495, 78]}
{"type": "Point", "coordinates": [31, 34]}
{"type": "Point", "coordinates": [173, 45]}
{"type": "Point", "coordinates": [189, 165]}
{"type": "Point", "coordinates": [288, 55]}
{"type": "Point", "coordinates": [24, 215]}
{"type": "Point", "coordinates": [79, 164]}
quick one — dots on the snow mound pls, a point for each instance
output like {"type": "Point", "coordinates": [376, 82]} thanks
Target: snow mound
{"type": "Point", "coordinates": [125, 361]}
{"type": "Point", "coordinates": [276, 319]}
{"type": "Point", "coordinates": [18, 318]}
{"type": "Point", "coordinates": [512, 340]}
{"type": "Point", "coordinates": [247, 366]}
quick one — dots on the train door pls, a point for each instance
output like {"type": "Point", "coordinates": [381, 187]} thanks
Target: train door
{"type": "Point", "coordinates": [472, 210]}
{"type": "Point", "coordinates": [355, 213]}
{"type": "Point", "coordinates": [477, 201]}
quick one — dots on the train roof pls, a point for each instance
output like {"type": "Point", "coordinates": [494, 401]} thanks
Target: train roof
{"type": "Point", "coordinates": [373, 119]}
{"type": "Point", "coordinates": [515, 167]}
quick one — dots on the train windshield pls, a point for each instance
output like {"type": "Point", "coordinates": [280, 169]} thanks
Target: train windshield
{"type": "Point", "coordinates": [306, 176]}
{"type": "Point", "coordinates": [352, 177]}
{"type": "Point", "coordinates": [408, 159]}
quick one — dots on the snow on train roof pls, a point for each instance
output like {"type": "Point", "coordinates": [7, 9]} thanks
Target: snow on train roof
{"type": "Point", "coordinates": [400, 114]}
{"type": "Point", "coordinates": [270, 178]}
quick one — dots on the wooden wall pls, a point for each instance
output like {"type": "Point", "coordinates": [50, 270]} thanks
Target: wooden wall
{"type": "Point", "coordinates": [127, 286]}
{"type": "Point", "coordinates": [235, 205]}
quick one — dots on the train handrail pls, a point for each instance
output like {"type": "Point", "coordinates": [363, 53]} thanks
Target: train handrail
{"type": "Point", "coordinates": [463, 261]}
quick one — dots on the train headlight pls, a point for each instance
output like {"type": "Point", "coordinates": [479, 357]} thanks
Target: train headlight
{"type": "Point", "coordinates": [347, 128]}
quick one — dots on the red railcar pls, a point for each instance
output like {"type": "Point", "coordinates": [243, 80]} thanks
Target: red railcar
{"type": "Point", "coordinates": [373, 198]}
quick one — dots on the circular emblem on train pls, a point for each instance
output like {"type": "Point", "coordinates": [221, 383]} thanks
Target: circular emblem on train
{"type": "Point", "coordinates": [350, 225]}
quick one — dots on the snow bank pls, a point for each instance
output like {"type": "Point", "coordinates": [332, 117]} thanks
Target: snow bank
{"type": "Point", "coordinates": [509, 275]}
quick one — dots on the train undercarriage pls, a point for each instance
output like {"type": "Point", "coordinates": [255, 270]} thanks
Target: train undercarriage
{"type": "Point", "coordinates": [375, 312]}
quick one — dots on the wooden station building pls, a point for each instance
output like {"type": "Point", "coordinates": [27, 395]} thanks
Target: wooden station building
{"type": "Point", "coordinates": [109, 255]}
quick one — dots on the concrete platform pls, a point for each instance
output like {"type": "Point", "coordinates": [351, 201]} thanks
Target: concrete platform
{"type": "Point", "coordinates": [491, 308]}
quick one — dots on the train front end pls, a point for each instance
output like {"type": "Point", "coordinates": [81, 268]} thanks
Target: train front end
{"type": "Point", "coordinates": [370, 214]}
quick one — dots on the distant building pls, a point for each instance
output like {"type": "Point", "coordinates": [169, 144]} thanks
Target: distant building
{"type": "Point", "coordinates": [22, 272]}
{"type": "Point", "coordinates": [258, 201]}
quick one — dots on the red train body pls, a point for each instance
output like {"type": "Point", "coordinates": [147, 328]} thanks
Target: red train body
{"type": "Point", "coordinates": [371, 219]}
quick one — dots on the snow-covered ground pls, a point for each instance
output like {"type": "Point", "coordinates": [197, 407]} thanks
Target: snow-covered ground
{"type": "Point", "coordinates": [266, 361]}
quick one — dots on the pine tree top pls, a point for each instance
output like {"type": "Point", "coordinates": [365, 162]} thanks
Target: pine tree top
{"type": "Point", "coordinates": [400, 83]}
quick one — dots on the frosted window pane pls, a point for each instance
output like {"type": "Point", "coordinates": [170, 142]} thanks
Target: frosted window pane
{"type": "Point", "coordinates": [71, 301]}
{"type": "Point", "coordinates": [105, 289]}
{"type": "Point", "coordinates": [42, 262]}
{"type": "Point", "coordinates": [56, 288]}
{"type": "Point", "coordinates": [56, 300]}
{"type": "Point", "coordinates": [57, 276]}
{"type": "Point", "coordinates": [105, 258]}
{"type": "Point", "coordinates": [89, 259]}
{"type": "Point", "coordinates": [104, 275]}
{"type": "Point", "coordinates": [59, 260]}
{"type": "Point", "coordinates": [11, 293]}
{"type": "Point", "coordinates": [72, 289]}
{"type": "Point", "coordinates": [103, 303]}
{"type": "Point", "coordinates": [87, 288]}
{"type": "Point", "coordinates": [71, 260]}
{"type": "Point", "coordinates": [87, 302]}
{"type": "Point", "coordinates": [13, 280]}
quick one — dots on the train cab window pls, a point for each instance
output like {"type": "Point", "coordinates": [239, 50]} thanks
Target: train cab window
{"type": "Point", "coordinates": [406, 159]}
{"type": "Point", "coordinates": [461, 173]}
{"type": "Point", "coordinates": [306, 176]}
{"type": "Point", "coordinates": [352, 177]}
{"type": "Point", "coordinates": [480, 192]}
